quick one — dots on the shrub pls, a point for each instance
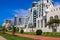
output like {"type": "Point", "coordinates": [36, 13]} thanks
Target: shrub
{"type": "Point", "coordinates": [9, 28]}
{"type": "Point", "coordinates": [22, 31]}
{"type": "Point", "coordinates": [38, 32]}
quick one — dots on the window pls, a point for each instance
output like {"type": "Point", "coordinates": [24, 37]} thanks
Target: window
{"type": "Point", "coordinates": [41, 23]}
{"type": "Point", "coordinates": [56, 16]}
{"type": "Point", "coordinates": [34, 20]}
{"type": "Point", "coordinates": [38, 23]}
{"type": "Point", "coordinates": [47, 7]}
{"type": "Point", "coordinates": [59, 7]}
{"type": "Point", "coordinates": [51, 10]}
{"type": "Point", "coordinates": [47, 1]}
{"type": "Point", "coordinates": [51, 17]}
{"type": "Point", "coordinates": [15, 21]}
{"type": "Point", "coordinates": [56, 9]}
{"type": "Point", "coordinates": [34, 25]}
{"type": "Point", "coordinates": [31, 10]}
{"type": "Point", "coordinates": [33, 5]}
{"type": "Point", "coordinates": [45, 22]}
{"type": "Point", "coordinates": [35, 13]}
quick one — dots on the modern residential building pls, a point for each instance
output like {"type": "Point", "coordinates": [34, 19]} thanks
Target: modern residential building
{"type": "Point", "coordinates": [20, 22]}
{"type": "Point", "coordinates": [32, 17]}
{"type": "Point", "coordinates": [44, 8]}
{"type": "Point", "coordinates": [8, 23]}
{"type": "Point", "coordinates": [49, 11]}
{"type": "Point", "coordinates": [41, 12]}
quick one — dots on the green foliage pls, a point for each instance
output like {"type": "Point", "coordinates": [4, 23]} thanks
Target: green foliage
{"type": "Point", "coordinates": [30, 33]}
{"type": "Point", "coordinates": [3, 29]}
{"type": "Point", "coordinates": [51, 34]}
{"type": "Point", "coordinates": [0, 28]}
{"type": "Point", "coordinates": [38, 32]}
{"type": "Point", "coordinates": [52, 21]}
{"type": "Point", "coordinates": [17, 29]}
{"type": "Point", "coordinates": [13, 30]}
{"type": "Point", "coordinates": [22, 31]}
{"type": "Point", "coordinates": [10, 28]}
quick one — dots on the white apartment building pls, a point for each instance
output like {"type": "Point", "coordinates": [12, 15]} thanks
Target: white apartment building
{"type": "Point", "coordinates": [7, 23]}
{"type": "Point", "coordinates": [51, 11]}
{"type": "Point", "coordinates": [44, 10]}
{"type": "Point", "coordinates": [32, 17]}
{"type": "Point", "coordinates": [19, 22]}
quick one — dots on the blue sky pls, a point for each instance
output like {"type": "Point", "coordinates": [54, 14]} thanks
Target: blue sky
{"type": "Point", "coordinates": [8, 8]}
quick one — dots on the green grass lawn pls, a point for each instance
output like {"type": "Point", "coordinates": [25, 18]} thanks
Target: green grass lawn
{"type": "Point", "coordinates": [10, 37]}
{"type": "Point", "coordinates": [50, 34]}
{"type": "Point", "coordinates": [28, 33]}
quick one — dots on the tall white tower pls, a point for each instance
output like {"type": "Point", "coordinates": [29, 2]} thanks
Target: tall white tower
{"type": "Point", "coordinates": [44, 7]}
{"type": "Point", "coordinates": [48, 5]}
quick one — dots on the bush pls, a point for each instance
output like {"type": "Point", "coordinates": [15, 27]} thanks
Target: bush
{"type": "Point", "coordinates": [38, 32]}
{"type": "Point", "coordinates": [9, 28]}
{"type": "Point", "coordinates": [22, 31]}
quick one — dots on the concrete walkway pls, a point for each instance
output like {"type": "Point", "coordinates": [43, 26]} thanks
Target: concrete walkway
{"type": "Point", "coordinates": [1, 38]}
{"type": "Point", "coordinates": [36, 37]}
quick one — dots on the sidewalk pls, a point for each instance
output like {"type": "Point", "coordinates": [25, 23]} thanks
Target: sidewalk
{"type": "Point", "coordinates": [36, 37]}
{"type": "Point", "coordinates": [1, 38]}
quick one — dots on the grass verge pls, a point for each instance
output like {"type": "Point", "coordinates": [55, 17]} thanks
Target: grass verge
{"type": "Point", "coordinates": [51, 34]}
{"type": "Point", "coordinates": [10, 37]}
{"type": "Point", "coordinates": [48, 34]}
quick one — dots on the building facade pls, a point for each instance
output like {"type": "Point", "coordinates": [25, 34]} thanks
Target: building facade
{"type": "Point", "coordinates": [20, 22]}
{"type": "Point", "coordinates": [8, 23]}
{"type": "Point", "coordinates": [50, 12]}
{"type": "Point", "coordinates": [41, 12]}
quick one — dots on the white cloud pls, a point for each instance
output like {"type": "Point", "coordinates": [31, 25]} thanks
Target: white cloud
{"type": "Point", "coordinates": [21, 12]}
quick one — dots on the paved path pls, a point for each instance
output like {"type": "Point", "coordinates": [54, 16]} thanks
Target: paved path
{"type": "Point", "coordinates": [1, 38]}
{"type": "Point", "coordinates": [36, 37]}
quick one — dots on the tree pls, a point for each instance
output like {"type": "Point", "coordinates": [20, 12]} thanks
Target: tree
{"type": "Point", "coordinates": [3, 29]}
{"type": "Point", "coordinates": [53, 23]}
{"type": "Point", "coordinates": [13, 30]}
{"type": "Point", "coordinates": [32, 28]}
{"type": "Point", "coordinates": [0, 28]}
{"type": "Point", "coordinates": [9, 28]}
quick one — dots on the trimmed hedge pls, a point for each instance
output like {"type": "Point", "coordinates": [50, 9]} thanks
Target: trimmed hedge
{"type": "Point", "coordinates": [39, 32]}
{"type": "Point", "coordinates": [22, 31]}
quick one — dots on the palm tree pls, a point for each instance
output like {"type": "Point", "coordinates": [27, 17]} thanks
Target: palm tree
{"type": "Point", "coordinates": [31, 26]}
{"type": "Point", "coordinates": [54, 23]}
{"type": "Point", "coordinates": [13, 30]}
{"type": "Point", "coordinates": [3, 29]}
